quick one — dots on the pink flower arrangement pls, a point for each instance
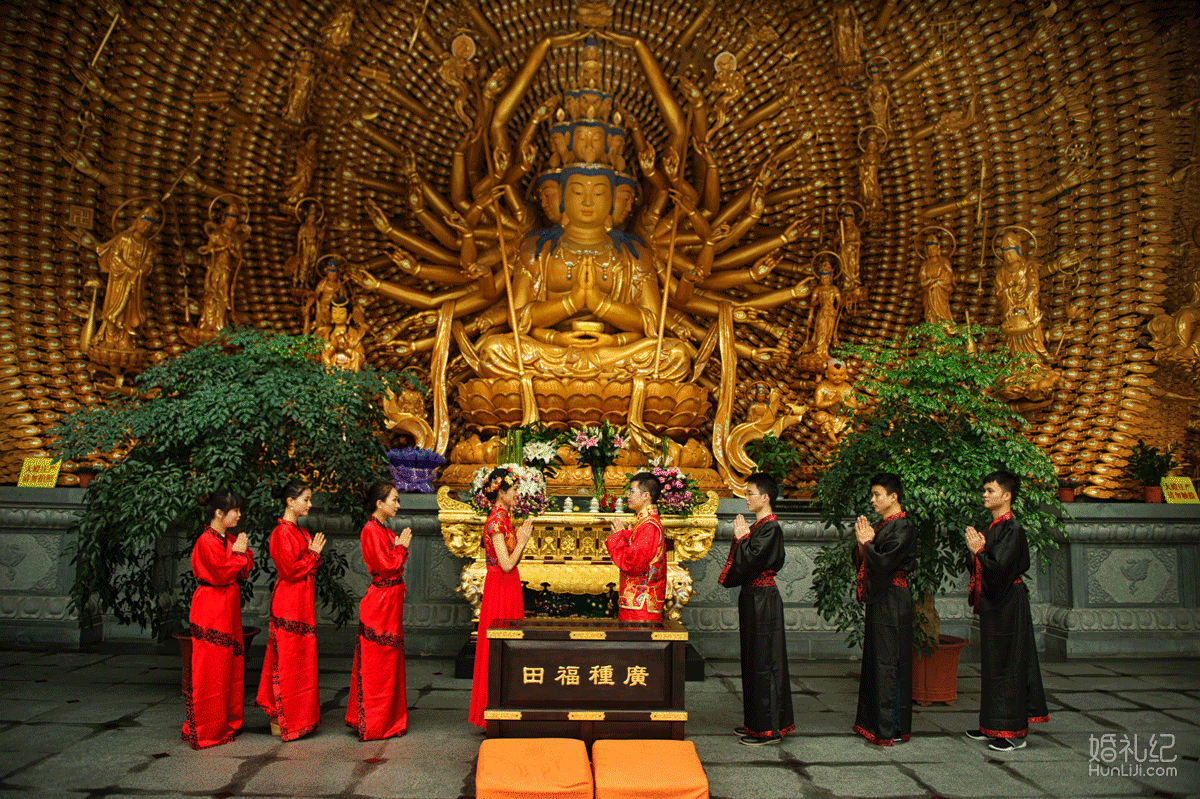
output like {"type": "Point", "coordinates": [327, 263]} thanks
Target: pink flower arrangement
{"type": "Point", "coordinates": [680, 493]}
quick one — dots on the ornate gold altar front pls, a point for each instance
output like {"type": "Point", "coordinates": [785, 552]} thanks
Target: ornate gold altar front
{"type": "Point", "coordinates": [567, 550]}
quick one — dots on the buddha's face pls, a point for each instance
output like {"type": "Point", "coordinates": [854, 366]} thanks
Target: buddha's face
{"type": "Point", "coordinates": [587, 143]}
{"type": "Point", "coordinates": [550, 196]}
{"type": "Point", "coordinates": [338, 314]}
{"type": "Point", "coordinates": [622, 203]}
{"type": "Point", "coordinates": [932, 248]}
{"type": "Point", "coordinates": [1010, 248]}
{"type": "Point", "coordinates": [587, 200]}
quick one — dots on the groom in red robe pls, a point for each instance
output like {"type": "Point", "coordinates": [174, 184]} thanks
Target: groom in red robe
{"type": "Point", "coordinates": [641, 555]}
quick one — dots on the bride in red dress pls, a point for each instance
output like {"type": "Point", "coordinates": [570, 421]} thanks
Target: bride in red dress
{"type": "Point", "coordinates": [288, 689]}
{"type": "Point", "coordinates": [502, 598]}
{"type": "Point", "coordinates": [215, 693]}
{"type": "Point", "coordinates": [378, 708]}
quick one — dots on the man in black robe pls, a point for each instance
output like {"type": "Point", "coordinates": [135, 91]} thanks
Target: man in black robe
{"type": "Point", "coordinates": [1011, 696]}
{"type": "Point", "coordinates": [755, 555]}
{"type": "Point", "coordinates": [884, 556]}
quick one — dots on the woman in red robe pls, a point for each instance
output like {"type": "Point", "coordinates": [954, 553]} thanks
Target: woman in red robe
{"type": "Point", "coordinates": [288, 690]}
{"type": "Point", "coordinates": [502, 596]}
{"type": "Point", "coordinates": [378, 708]}
{"type": "Point", "coordinates": [215, 693]}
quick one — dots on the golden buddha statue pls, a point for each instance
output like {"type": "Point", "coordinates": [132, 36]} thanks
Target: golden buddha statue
{"type": "Point", "coordinates": [591, 300]}
{"type": "Point", "coordinates": [228, 230]}
{"type": "Point", "coordinates": [343, 335]}
{"type": "Point", "coordinates": [1017, 288]}
{"type": "Point", "coordinates": [937, 277]}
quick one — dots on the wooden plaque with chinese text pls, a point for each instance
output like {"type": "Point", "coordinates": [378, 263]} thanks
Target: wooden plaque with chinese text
{"type": "Point", "coordinates": [586, 679]}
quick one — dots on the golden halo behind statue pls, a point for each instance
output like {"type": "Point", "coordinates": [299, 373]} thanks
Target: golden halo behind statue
{"type": "Point", "coordinates": [306, 201]}
{"type": "Point", "coordinates": [862, 212]}
{"type": "Point", "coordinates": [1000, 234]}
{"type": "Point", "coordinates": [726, 57]}
{"type": "Point", "coordinates": [882, 146]}
{"type": "Point", "coordinates": [162, 213]}
{"type": "Point", "coordinates": [813, 265]}
{"type": "Point", "coordinates": [953, 240]}
{"type": "Point", "coordinates": [237, 202]}
{"type": "Point", "coordinates": [879, 59]}
{"type": "Point", "coordinates": [338, 260]}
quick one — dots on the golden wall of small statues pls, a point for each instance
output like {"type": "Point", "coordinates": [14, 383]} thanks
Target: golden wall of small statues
{"type": "Point", "coordinates": [661, 212]}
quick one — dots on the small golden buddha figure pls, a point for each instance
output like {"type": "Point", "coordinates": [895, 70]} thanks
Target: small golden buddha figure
{"type": "Point", "coordinates": [127, 258]}
{"type": "Point", "coordinates": [227, 230]}
{"type": "Point", "coordinates": [833, 400]}
{"type": "Point", "coordinates": [937, 280]}
{"type": "Point", "coordinates": [343, 336]}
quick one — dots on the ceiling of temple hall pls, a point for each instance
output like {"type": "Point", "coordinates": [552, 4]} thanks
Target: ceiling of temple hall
{"type": "Point", "coordinates": [1074, 126]}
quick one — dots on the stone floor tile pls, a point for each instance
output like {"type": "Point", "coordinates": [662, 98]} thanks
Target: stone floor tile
{"type": "Point", "coordinates": [1180, 681]}
{"type": "Point", "coordinates": [1095, 700]}
{"type": "Point", "coordinates": [1142, 721]}
{"type": "Point", "coordinates": [826, 685]}
{"type": "Point", "coordinates": [38, 737]}
{"type": "Point", "coordinates": [970, 779]}
{"type": "Point", "coordinates": [957, 722]}
{"type": "Point", "coordinates": [66, 771]}
{"type": "Point", "coordinates": [843, 703]}
{"type": "Point", "coordinates": [1073, 668]}
{"type": "Point", "coordinates": [1152, 666]}
{"type": "Point", "coordinates": [15, 761]}
{"type": "Point", "coordinates": [823, 722]}
{"type": "Point", "coordinates": [191, 772]}
{"type": "Point", "coordinates": [1069, 721]}
{"type": "Point", "coordinates": [836, 749]}
{"type": "Point", "coordinates": [1058, 779]}
{"type": "Point", "coordinates": [318, 776]}
{"type": "Point", "coordinates": [332, 742]}
{"type": "Point", "coordinates": [862, 781]}
{"type": "Point", "coordinates": [100, 711]}
{"type": "Point", "coordinates": [738, 783]}
{"type": "Point", "coordinates": [727, 749]}
{"type": "Point", "coordinates": [21, 710]}
{"type": "Point", "coordinates": [34, 793]}
{"type": "Point", "coordinates": [1164, 699]}
{"type": "Point", "coordinates": [1185, 777]}
{"type": "Point", "coordinates": [395, 777]}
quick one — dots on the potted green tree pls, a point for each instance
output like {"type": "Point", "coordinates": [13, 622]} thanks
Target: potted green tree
{"type": "Point", "coordinates": [1148, 466]}
{"type": "Point", "coordinates": [246, 411]}
{"type": "Point", "coordinates": [932, 417]}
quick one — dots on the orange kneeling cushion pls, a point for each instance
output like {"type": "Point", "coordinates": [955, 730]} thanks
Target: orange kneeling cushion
{"type": "Point", "coordinates": [648, 770]}
{"type": "Point", "coordinates": [533, 768]}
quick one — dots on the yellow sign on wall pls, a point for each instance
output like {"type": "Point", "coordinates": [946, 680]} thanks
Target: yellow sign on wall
{"type": "Point", "coordinates": [39, 473]}
{"type": "Point", "coordinates": [1179, 491]}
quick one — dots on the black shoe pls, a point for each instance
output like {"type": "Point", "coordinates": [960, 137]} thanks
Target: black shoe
{"type": "Point", "coordinates": [900, 739]}
{"type": "Point", "coordinates": [1007, 744]}
{"type": "Point", "coordinates": [740, 731]}
{"type": "Point", "coordinates": [977, 735]}
{"type": "Point", "coordinates": [750, 740]}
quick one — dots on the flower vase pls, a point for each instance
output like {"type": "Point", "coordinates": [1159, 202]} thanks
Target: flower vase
{"type": "Point", "coordinates": [598, 481]}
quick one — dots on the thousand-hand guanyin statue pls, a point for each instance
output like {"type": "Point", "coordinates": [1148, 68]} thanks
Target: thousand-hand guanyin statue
{"type": "Point", "coordinates": [586, 310]}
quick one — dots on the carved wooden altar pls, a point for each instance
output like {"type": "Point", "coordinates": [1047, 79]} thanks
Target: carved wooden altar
{"type": "Point", "coordinates": [567, 550]}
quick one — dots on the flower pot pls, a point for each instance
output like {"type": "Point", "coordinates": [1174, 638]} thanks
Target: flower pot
{"type": "Point", "coordinates": [1153, 493]}
{"type": "Point", "coordinates": [184, 637]}
{"type": "Point", "coordinates": [1066, 494]}
{"type": "Point", "coordinates": [935, 677]}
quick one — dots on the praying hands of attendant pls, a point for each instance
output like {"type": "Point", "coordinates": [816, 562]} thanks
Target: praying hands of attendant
{"type": "Point", "coordinates": [740, 528]}
{"type": "Point", "coordinates": [404, 539]}
{"type": "Point", "coordinates": [975, 540]}
{"type": "Point", "coordinates": [863, 531]}
{"type": "Point", "coordinates": [317, 544]}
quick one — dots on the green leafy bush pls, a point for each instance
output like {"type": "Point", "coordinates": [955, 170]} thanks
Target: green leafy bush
{"type": "Point", "coordinates": [934, 419]}
{"type": "Point", "coordinates": [247, 411]}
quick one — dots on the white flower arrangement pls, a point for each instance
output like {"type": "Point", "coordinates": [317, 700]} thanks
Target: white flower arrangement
{"type": "Point", "coordinates": [531, 489]}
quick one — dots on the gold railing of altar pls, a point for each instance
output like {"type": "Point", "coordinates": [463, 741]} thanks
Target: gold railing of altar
{"type": "Point", "coordinates": [567, 550]}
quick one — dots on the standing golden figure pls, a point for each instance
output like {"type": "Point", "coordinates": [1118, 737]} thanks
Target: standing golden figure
{"type": "Point", "coordinates": [228, 230]}
{"type": "Point", "coordinates": [1018, 288]}
{"type": "Point", "coordinates": [937, 276]}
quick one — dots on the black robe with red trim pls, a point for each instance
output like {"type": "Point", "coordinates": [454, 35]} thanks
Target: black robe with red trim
{"type": "Point", "coordinates": [885, 686]}
{"type": "Point", "coordinates": [1011, 695]}
{"type": "Point", "coordinates": [766, 685]}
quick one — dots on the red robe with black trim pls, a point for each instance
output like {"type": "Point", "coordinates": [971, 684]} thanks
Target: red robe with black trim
{"type": "Point", "coordinates": [215, 693]}
{"type": "Point", "coordinates": [641, 556]}
{"type": "Point", "coordinates": [288, 690]}
{"type": "Point", "coordinates": [378, 708]}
